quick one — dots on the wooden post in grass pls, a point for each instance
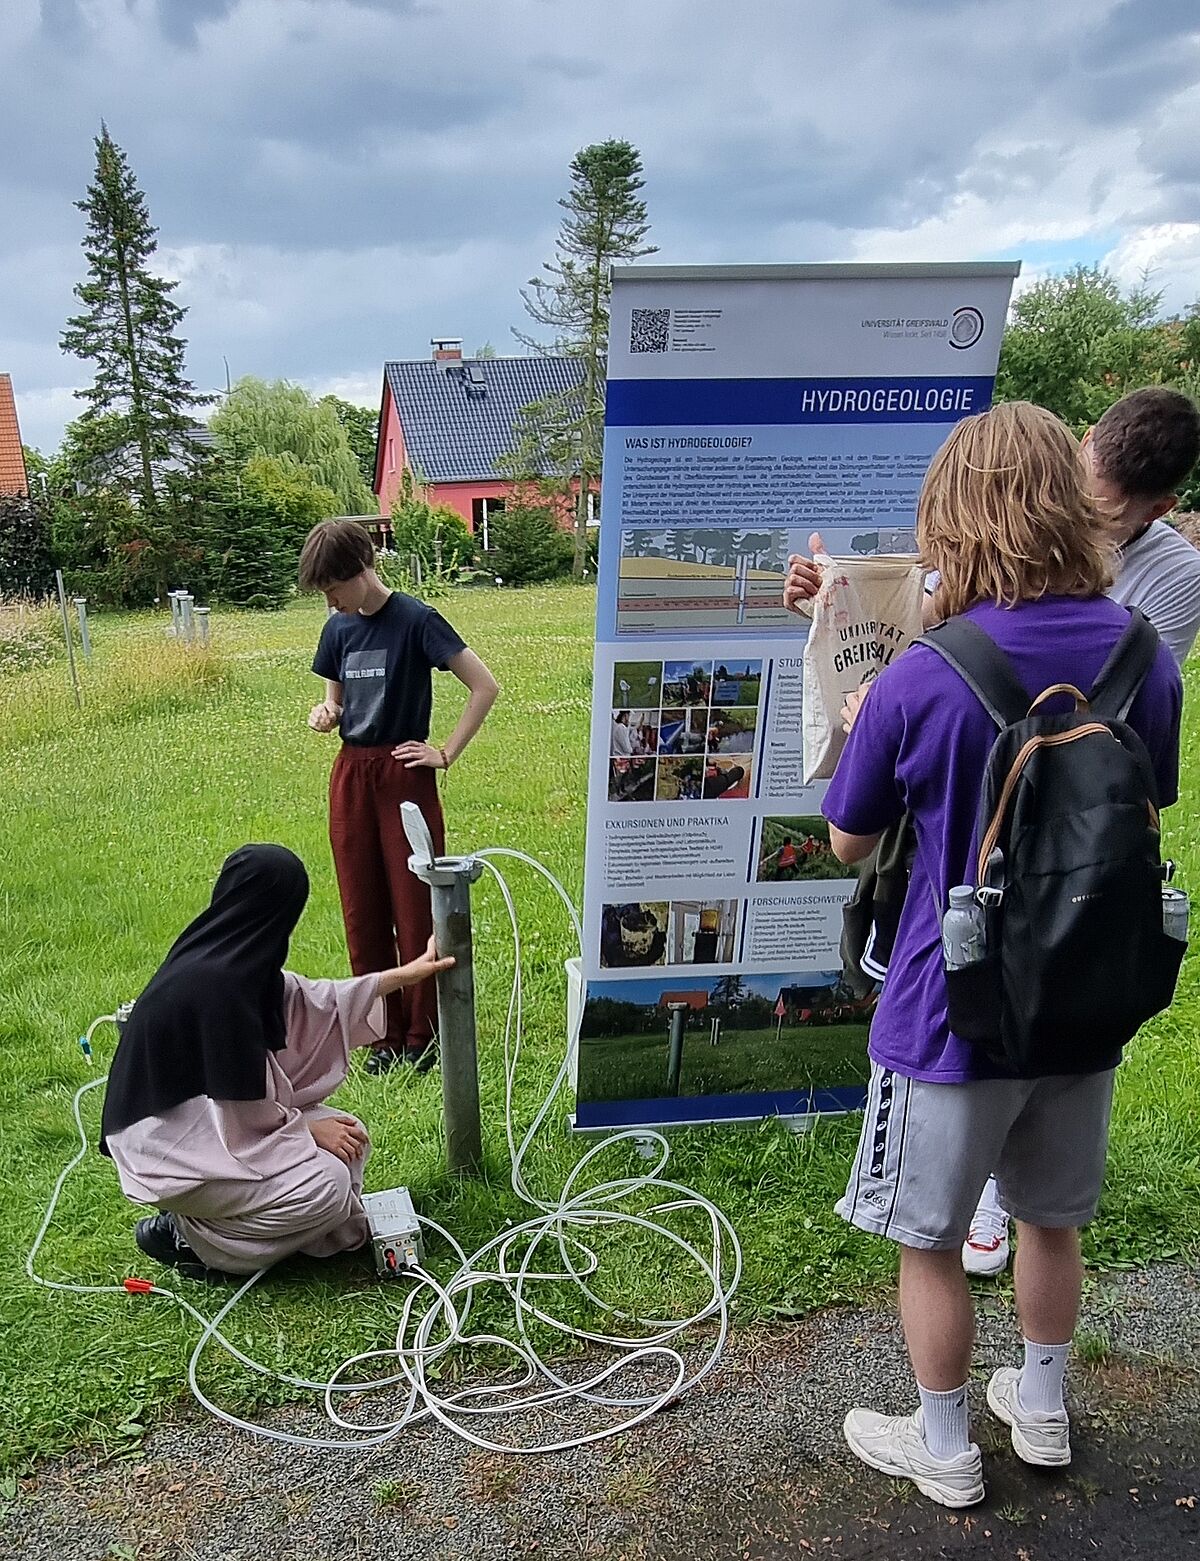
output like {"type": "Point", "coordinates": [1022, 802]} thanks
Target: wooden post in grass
{"type": "Point", "coordinates": [62, 603]}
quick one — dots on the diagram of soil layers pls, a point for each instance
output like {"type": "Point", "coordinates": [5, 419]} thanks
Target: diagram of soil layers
{"type": "Point", "coordinates": [677, 579]}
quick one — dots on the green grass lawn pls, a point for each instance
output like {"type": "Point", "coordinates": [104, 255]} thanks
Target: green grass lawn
{"type": "Point", "coordinates": [114, 824]}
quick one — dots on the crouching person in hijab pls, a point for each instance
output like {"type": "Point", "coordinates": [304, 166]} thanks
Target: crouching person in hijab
{"type": "Point", "coordinates": [215, 1108]}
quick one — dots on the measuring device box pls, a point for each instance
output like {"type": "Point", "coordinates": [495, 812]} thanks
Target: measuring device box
{"type": "Point", "coordinates": [395, 1231]}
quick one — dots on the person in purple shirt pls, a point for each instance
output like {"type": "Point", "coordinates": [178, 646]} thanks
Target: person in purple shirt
{"type": "Point", "coordinates": [1135, 459]}
{"type": "Point", "coordinates": [1020, 548]}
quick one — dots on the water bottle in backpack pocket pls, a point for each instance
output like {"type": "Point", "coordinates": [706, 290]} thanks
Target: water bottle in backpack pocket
{"type": "Point", "coordinates": [1176, 909]}
{"type": "Point", "coordinates": [964, 933]}
{"type": "Point", "coordinates": [1073, 956]}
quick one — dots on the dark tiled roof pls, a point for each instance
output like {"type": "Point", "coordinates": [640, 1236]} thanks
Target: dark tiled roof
{"type": "Point", "coordinates": [12, 457]}
{"type": "Point", "coordinates": [454, 434]}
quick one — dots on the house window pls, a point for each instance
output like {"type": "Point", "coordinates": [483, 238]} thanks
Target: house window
{"type": "Point", "coordinates": [391, 455]}
{"type": "Point", "coordinates": [482, 510]}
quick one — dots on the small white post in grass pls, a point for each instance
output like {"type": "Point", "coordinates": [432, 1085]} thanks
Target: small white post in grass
{"type": "Point", "coordinates": [66, 622]}
{"type": "Point", "coordinates": [187, 624]}
{"type": "Point", "coordinates": [84, 637]}
{"type": "Point", "coordinates": [202, 624]}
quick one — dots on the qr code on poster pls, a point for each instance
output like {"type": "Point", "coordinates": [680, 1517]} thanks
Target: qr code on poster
{"type": "Point", "coordinates": [650, 330]}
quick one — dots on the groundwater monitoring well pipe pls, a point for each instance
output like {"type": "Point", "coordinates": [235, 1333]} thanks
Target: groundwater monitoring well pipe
{"type": "Point", "coordinates": [450, 879]}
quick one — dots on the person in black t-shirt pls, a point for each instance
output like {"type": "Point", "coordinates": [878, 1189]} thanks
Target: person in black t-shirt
{"type": "Point", "coordinates": [377, 654]}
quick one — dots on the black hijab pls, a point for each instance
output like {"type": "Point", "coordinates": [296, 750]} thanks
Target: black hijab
{"type": "Point", "coordinates": [214, 1008]}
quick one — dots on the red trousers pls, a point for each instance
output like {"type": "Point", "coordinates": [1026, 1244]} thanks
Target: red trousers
{"type": "Point", "coordinates": [386, 910]}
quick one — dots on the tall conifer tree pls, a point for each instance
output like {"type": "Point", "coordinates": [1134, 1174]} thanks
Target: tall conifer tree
{"type": "Point", "coordinates": [129, 329]}
{"type": "Point", "coordinates": [605, 220]}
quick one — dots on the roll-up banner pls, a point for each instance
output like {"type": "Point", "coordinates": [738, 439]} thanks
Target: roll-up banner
{"type": "Point", "coordinates": [747, 406]}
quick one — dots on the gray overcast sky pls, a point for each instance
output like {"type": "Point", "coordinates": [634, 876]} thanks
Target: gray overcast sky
{"type": "Point", "coordinates": [336, 181]}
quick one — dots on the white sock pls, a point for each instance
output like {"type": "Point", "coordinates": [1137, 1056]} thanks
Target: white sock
{"type": "Point", "coordinates": [1040, 1390]}
{"type": "Point", "coordinates": [945, 1417]}
{"type": "Point", "coordinates": [989, 1202]}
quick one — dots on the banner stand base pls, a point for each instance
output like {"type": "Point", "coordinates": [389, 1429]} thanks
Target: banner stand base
{"type": "Point", "coordinates": [802, 1123]}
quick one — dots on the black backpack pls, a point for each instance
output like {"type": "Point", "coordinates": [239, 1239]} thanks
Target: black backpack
{"type": "Point", "coordinates": [871, 916]}
{"type": "Point", "coordinates": [1068, 870]}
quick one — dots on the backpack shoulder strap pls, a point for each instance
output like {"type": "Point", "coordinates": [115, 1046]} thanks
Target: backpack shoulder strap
{"type": "Point", "coordinates": [983, 666]}
{"type": "Point", "coordinates": [1128, 664]}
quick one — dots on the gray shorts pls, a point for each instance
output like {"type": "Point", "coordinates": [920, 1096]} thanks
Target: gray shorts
{"type": "Point", "coordinates": [927, 1150]}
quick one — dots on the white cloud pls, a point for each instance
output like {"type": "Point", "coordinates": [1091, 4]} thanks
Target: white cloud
{"type": "Point", "coordinates": [1050, 201]}
{"type": "Point", "coordinates": [1167, 255]}
{"type": "Point", "coordinates": [362, 390]}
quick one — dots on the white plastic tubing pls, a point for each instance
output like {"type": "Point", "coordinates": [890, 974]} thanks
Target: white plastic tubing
{"type": "Point", "coordinates": [551, 1245]}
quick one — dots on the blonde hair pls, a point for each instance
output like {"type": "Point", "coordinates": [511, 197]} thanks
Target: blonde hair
{"type": "Point", "coordinates": [1005, 516]}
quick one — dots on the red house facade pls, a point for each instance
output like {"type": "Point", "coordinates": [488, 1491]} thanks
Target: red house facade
{"type": "Point", "coordinates": [446, 421]}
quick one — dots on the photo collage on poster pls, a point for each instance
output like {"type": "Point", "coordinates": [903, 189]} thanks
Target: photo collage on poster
{"type": "Point", "coordinates": [683, 731]}
{"type": "Point", "coordinates": [716, 854]}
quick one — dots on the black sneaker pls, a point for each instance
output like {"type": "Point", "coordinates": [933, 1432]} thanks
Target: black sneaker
{"type": "Point", "coordinates": [382, 1059]}
{"type": "Point", "coordinates": [159, 1238]}
{"type": "Point", "coordinates": [423, 1058]}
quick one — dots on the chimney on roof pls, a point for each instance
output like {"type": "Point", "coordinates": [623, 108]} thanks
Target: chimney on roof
{"type": "Point", "coordinates": [447, 351]}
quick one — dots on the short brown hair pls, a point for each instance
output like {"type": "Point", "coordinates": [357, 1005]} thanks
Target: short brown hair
{"type": "Point", "coordinates": [1148, 442]}
{"type": "Point", "coordinates": [334, 551]}
{"type": "Point", "coordinates": [1004, 514]}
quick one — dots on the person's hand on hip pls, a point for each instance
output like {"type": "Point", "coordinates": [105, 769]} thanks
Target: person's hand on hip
{"type": "Point", "coordinates": [416, 756]}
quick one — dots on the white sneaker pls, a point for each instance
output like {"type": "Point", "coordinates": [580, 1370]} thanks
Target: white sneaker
{"type": "Point", "coordinates": [895, 1444]}
{"type": "Point", "coordinates": [985, 1251]}
{"type": "Point", "coordinates": [1037, 1438]}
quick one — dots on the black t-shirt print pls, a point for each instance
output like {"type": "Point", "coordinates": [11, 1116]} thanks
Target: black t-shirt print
{"type": "Point", "coordinates": [384, 663]}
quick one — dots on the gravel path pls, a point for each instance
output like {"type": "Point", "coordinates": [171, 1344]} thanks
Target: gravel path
{"type": "Point", "coordinates": [750, 1467]}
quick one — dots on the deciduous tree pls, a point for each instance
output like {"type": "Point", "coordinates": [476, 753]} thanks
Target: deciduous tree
{"type": "Point", "coordinates": [258, 417]}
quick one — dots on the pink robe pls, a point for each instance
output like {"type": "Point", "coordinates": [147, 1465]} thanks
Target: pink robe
{"type": "Point", "coordinates": [245, 1179]}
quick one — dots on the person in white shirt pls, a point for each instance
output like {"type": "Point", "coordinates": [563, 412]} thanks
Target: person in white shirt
{"type": "Point", "coordinates": [1139, 454]}
{"type": "Point", "coordinates": [622, 737]}
{"type": "Point", "coordinates": [1141, 451]}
